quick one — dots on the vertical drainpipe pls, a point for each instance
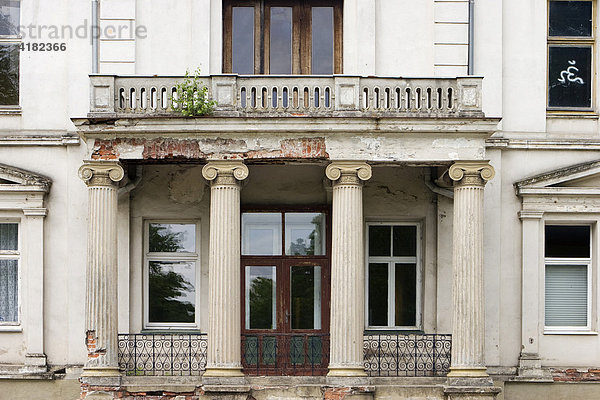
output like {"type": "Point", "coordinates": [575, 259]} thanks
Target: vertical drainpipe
{"type": "Point", "coordinates": [95, 34]}
{"type": "Point", "coordinates": [471, 29]}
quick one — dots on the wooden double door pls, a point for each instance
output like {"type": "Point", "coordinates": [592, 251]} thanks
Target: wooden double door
{"type": "Point", "coordinates": [285, 295]}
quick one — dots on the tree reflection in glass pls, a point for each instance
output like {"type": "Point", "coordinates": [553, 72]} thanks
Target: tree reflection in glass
{"type": "Point", "coordinates": [260, 297]}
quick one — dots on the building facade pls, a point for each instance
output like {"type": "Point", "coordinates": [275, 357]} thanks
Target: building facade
{"type": "Point", "coordinates": [383, 199]}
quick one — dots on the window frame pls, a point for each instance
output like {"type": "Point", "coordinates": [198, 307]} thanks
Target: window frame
{"type": "Point", "coordinates": [9, 326]}
{"type": "Point", "coordinates": [167, 256]}
{"type": "Point", "coordinates": [301, 38]}
{"type": "Point", "coordinates": [575, 261]}
{"type": "Point", "coordinates": [14, 40]}
{"type": "Point", "coordinates": [391, 261]}
{"type": "Point", "coordinates": [572, 41]}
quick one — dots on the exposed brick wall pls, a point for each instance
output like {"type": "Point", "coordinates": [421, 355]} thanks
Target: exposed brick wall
{"type": "Point", "coordinates": [218, 148]}
{"type": "Point", "coordinates": [91, 343]}
{"type": "Point", "coordinates": [576, 375]}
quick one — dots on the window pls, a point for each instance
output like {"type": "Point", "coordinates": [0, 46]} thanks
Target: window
{"type": "Point", "coordinates": [9, 273]}
{"type": "Point", "coordinates": [282, 37]}
{"type": "Point", "coordinates": [9, 52]}
{"type": "Point", "coordinates": [171, 277]}
{"type": "Point", "coordinates": [567, 277]}
{"type": "Point", "coordinates": [570, 54]}
{"type": "Point", "coordinates": [393, 276]}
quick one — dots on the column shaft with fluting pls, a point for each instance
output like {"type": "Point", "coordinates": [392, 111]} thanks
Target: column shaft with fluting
{"type": "Point", "coordinates": [224, 326]}
{"type": "Point", "coordinates": [468, 319]}
{"type": "Point", "coordinates": [101, 303]}
{"type": "Point", "coordinates": [347, 268]}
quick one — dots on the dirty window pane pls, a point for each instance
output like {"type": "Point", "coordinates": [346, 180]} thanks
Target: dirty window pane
{"type": "Point", "coordinates": [261, 234]}
{"type": "Point", "coordinates": [322, 40]}
{"type": "Point", "coordinates": [570, 18]}
{"type": "Point", "coordinates": [9, 74]}
{"type": "Point", "coordinates": [172, 292]}
{"type": "Point", "coordinates": [305, 234]}
{"type": "Point", "coordinates": [378, 294]}
{"type": "Point", "coordinates": [570, 76]}
{"type": "Point", "coordinates": [9, 237]}
{"type": "Point", "coordinates": [405, 241]}
{"type": "Point", "coordinates": [168, 238]}
{"type": "Point", "coordinates": [9, 17]}
{"type": "Point", "coordinates": [243, 40]}
{"type": "Point", "coordinates": [406, 295]}
{"type": "Point", "coordinates": [379, 240]}
{"type": "Point", "coordinates": [261, 300]}
{"type": "Point", "coordinates": [281, 40]}
{"type": "Point", "coordinates": [567, 241]}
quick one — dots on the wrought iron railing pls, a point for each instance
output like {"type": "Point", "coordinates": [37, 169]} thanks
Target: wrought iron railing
{"type": "Point", "coordinates": [285, 354]}
{"type": "Point", "coordinates": [398, 354]}
{"type": "Point", "coordinates": [165, 354]}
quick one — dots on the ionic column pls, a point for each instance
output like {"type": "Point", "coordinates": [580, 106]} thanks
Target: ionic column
{"type": "Point", "coordinates": [468, 320]}
{"type": "Point", "coordinates": [224, 326]}
{"type": "Point", "coordinates": [101, 311]}
{"type": "Point", "coordinates": [347, 268]}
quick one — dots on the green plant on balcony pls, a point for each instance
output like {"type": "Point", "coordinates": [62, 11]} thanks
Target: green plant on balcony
{"type": "Point", "coordinates": [191, 98]}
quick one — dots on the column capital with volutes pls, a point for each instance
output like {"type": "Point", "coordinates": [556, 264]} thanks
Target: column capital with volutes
{"type": "Point", "coordinates": [471, 173]}
{"type": "Point", "coordinates": [101, 173]}
{"type": "Point", "coordinates": [225, 172]}
{"type": "Point", "coordinates": [348, 172]}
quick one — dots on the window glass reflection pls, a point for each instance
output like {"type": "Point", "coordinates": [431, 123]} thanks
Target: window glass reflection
{"type": "Point", "coordinates": [171, 291]}
{"type": "Point", "coordinates": [305, 234]}
{"type": "Point", "coordinates": [306, 297]}
{"type": "Point", "coordinates": [261, 234]}
{"type": "Point", "coordinates": [260, 297]}
{"type": "Point", "coordinates": [243, 40]}
{"type": "Point", "coordinates": [322, 40]}
{"type": "Point", "coordinates": [280, 40]}
{"type": "Point", "coordinates": [168, 238]}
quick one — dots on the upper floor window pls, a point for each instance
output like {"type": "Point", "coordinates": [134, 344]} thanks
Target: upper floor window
{"type": "Point", "coordinates": [393, 276]}
{"type": "Point", "coordinates": [282, 37]}
{"type": "Point", "coordinates": [9, 273]}
{"type": "Point", "coordinates": [172, 275]}
{"type": "Point", "coordinates": [9, 52]}
{"type": "Point", "coordinates": [570, 46]}
{"type": "Point", "coordinates": [568, 274]}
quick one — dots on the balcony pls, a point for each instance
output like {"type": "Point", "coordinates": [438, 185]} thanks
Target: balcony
{"type": "Point", "coordinates": [386, 354]}
{"type": "Point", "coordinates": [292, 96]}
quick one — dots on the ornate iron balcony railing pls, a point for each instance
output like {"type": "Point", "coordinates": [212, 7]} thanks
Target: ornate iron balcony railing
{"type": "Point", "coordinates": [399, 354]}
{"type": "Point", "coordinates": [165, 354]}
{"type": "Point", "coordinates": [285, 354]}
{"type": "Point", "coordinates": [269, 95]}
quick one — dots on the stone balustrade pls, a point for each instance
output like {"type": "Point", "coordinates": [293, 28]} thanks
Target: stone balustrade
{"type": "Point", "coordinates": [269, 95]}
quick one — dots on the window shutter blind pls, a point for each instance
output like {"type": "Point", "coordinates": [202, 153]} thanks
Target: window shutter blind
{"type": "Point", "coordinates": [566, 295]}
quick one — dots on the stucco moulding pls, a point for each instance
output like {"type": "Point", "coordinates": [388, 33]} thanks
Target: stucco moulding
{"type": "Point", "coordinates": [16, 179]}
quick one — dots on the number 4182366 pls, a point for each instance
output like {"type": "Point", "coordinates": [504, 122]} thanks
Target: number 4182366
{"type": "Point", "coordinates": [43, 46]}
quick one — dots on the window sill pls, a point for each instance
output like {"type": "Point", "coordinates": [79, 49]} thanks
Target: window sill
{"type": "Point", "coordinates": [10, 110]}
{"type": "Point", "coordinates": [11, 328]}
{"type": "Point", "coordinates": [566, 114]}
{"type": "Point", "coordinates": [585, 333]}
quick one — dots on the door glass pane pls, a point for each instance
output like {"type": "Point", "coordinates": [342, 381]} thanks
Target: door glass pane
{"type": "Point", "coordinates": [281, 40]}
{"type": "Point", "coordinates": [167, 238]}
{"type": "Point", "coordinates": [570, 18]}
{"type": "Point", "coordinates": [9, 17]}
{"type": "Point", "coordinates": [570, 76]}
{"type": "Point", "coordinates": [379, 240]}
{"type": "Point", "coordinates": [322, 40]}
{"type": "Point", "coordinates": [378, 294]}
{"type": "Point", "coordinates": [243, 40]}
{"type": "Point", "coordinates": [306, 297]}
{"type": "Point", "coordinates": [9, 74]}
{"type": "Point", "coordinates": [405, 241]}
{"type": "Point", "coordinates": [406, 295]}
{"type": "Point", "coordinates": [567, 241]}
{"type": "Point", "coordinates": [171, 291]}
{"type": "Point", "coordinates": [260, 285]}
{"type": "Point", "coordinates": [9, 236]}
{"type": "Point", "coordinates": [261, 234]}
{"type": "Point", "coordinates": [304, 234]}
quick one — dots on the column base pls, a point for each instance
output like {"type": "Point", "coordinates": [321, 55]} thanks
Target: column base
{"type": "Point", "coordinates": [530, 369]}
{"type": "Point", "coordinates": [35, 363]}
{"type": "Point", "coordinates": [347, 371]}
{"type": "Point", "coordinates": [223, 372]}
{"type": "Point", "coordinates": [468, 372]}
{"type": "Point", "coordinates": [101, 376]}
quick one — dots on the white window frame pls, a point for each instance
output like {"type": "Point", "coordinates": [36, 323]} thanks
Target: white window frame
{"type": "Point", "coordinates": [14, 40]}
{"type": "Point", "coordinates": [181, 256]}
{"type": "Point", "coordinates": [587, 261]}
{"type": "Point", "coordinates": [391, 261]}
{"type": "Point", "coordinates": [11, 326]}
